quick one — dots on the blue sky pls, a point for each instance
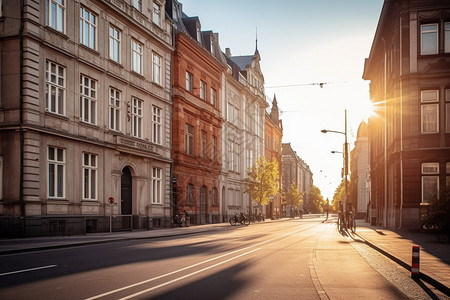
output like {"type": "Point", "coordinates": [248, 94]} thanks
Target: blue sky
{"type": "Point", "coordinates": [303, 42]}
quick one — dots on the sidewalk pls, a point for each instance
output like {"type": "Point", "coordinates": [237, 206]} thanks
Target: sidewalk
{"type": "Point", "coordinates": [434, 256]}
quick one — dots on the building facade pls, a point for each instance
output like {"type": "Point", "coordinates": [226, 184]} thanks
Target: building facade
{"type": "Point", "coordinates": [198, 65]}
{"type": "Point", "coordinates": [409, 138]}
{"type": "Point", "coordinates": [273, 134]}
{"type": "Point", "coordinates": [243, 132]}
{"type": "Point", "coordinates": [85, 112]}
{"type": "Point", "coordinates": [296, 171]}
{"type": "Point", "coordinates": [359, 173]}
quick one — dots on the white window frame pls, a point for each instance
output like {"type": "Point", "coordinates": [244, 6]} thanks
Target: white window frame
{"type": "Point", "coordinates": [189, 79]}
{"type": "Point", "coordinates": [88, 28]}
{"type": "Point", "coordinates": [430, 177]}
{"type": "Point", "coordinates": [156, 125]}
{"type": "Point", "coordinates": [429, 111]}
{"type": "Point", "coordinates": [137, 117]}
{"type": "Point", "coordinates": [432, 33]}
{"type": "Point", "coordinates": [156, 68]}
{"type": "Point", "coordinates": [88, 99]}
{"type": "Point", "coordinates": [213, 97]}
{"type": "Point", "coordinates": [137, 50]}
{"type": "Point", "coordinates": [55, 88]}
{"type": "Point", "coordinates": [157, 14]}
{"type": "Point", "coordinates": [114, 43]}
{"type": "Point", "coordinates": [90, 174]}
{"type": "Point", "coordinates": [157, 186]}
{"type": "Point", "coordinates": [55, 15]}
{"type": "Point", "coordinates": [137, 4]}
{"type": "Point", "coordinates": [56, 172]}
{"type": "Point", "coordinates": [115, 110]}
{"type": "Point", "coordinates": [202, 90]}
{"type": "Point", "coordinates": [447, 37]}
{"type": "Point", "coordinates": [189, 139]}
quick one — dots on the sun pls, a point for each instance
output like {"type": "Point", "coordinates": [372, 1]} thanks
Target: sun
{"type": "Point", "coordinates": [366, 109]}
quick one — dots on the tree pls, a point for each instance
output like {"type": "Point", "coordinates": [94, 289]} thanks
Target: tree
{"type": "Point", "coordinates": [293, 196]}
{"type": "Point", "coordinates": [316, 201]}
{"type": "Point", "coordinates": [262, 181]}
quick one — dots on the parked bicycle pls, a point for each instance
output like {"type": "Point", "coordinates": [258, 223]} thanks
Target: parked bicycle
{"type": "Point", "coordinates": [239, 219]}
{"type": "Point", "coordinates": [352, 221]}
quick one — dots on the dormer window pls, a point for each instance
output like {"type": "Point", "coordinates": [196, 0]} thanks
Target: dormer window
{"type": "Point", "coordinates": [212, 46]}
{"type": "Point", "coordinates": [199, 36]}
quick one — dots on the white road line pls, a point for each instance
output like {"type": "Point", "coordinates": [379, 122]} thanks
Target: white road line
{"type": "Point", "coordinates": [188, 275]}
{"type": "Point", "coordinates": [191, 266]}
{"type": "Point", "coordinates": [28, 270]}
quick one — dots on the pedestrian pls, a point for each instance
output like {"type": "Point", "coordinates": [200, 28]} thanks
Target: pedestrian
{"type": "Point", "coordinates": [186, 218]}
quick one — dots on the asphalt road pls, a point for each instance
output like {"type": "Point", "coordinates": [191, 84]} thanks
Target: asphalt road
{"type": "Point", "coordinates": [295, 259]}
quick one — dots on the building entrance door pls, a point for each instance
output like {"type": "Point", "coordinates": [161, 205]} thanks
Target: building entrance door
{"type": "Point", "coordinates": [126, 192]}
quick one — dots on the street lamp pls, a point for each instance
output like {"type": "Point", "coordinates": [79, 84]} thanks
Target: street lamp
{"type": "Point", "coordinates": [345, 162]}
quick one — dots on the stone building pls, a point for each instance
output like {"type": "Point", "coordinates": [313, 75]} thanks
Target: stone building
{"type": "Point", "coordinates": [198, 66]}
{"type": "Point", "coordinates": [273, 135]}
{"type": "Point", "coordinates": [85, 113]}
{"type": "Point", "coordinates": [296, 171]}
{"type": "Point", "coordinates": [409, 138]}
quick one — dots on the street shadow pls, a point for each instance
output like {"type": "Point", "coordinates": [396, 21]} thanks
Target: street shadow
{"type": "Point", "coordinates": [220, 285]}
{"type": "Point", "coordinates": [426, 289]}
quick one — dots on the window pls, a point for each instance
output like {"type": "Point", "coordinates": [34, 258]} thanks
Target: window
{"type": "Point", "coordinates": [213, 97]}
{"type": "Point", "coordinates": [156, 186]}
{"type": "Point", "coordinates": [202, 90]}
{"type": "Point", "coordinates": [156, 14]}
{"type": "Point", "coordinates": [55, 14]}
{"type": "Point", "coordinates": [114, 109]}
{"type": "Point", "coordinates": [230, 154]}
{"type": "Point", "coordinates": [447, 110]}
{"type": "Point", "coordinates": [447, 37]}
{"type": "Point", "coordinates": [189, 194]}
{"type": "Point", "coordinates": [211, 46]}
{"type": "Point", "coordinates": [114, 44]}
{"type": "Point", "coordinates": [430, 182]}
{"type": "Point", "coordinates": [429, 41]}
{"type": "Point", "coordinates": [189, 139]}
{"type": "Point", "coordinates": [56, 162]}
{"type": "Point", "coordinates": [430, 111]}
{"type": "Point", "coordinates": [203, 144]}
{"type": "Point", "coordinates": [214, 148]}
{"type": "Point", "coordinates": [230, 112]}
{"type": "Point", "coordinates": [447, 178]}
{"type": "Point", "coordinates": [137, 52]}
{"type": "Point", "coordinates": [137, 117]}
{"type": "Point", "coordinates": [89, 176]}
{"type": "Point", "coordinates": [156, 124]}
{"type": "Point", "coordinates": [237, 157]}
{"type": "Point", "coordinates": [189, 82]}
{"type": "Point", "coordinates": [137, 4]}
{"type": "Point", "coordinates": [88, 99]}
{"type": "Point", "coordinates": [55, 88]}
{"type": "Point", "coordinates": [88, 27]}
{"type": "Point", "coordinates": [214, 197]}
{"type": "Point", "coordinates": [156, 67]}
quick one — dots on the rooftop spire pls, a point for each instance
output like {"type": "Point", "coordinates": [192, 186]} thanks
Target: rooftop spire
{"type": "Point", "coordinates": [256, 50]}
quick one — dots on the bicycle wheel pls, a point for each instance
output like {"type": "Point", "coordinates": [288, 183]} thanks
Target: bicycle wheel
{"type": "Point", "coordinates": [246, 221]}
{"type": "Point", "coordinates": [232, 221]}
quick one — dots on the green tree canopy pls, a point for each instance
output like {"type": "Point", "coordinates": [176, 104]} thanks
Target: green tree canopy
{"type": "Point", "coordinates": [293, 196]}
{"type": "Point", "coordinates": [262, 181]}
{"type": "Point", "coordinates": [316, 201]}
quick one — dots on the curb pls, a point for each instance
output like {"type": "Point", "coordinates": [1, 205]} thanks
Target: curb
{"type": "Point", "coordinates": [441, 287]}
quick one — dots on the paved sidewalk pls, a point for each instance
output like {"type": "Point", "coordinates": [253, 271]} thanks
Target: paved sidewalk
{"type": "Point", "coordinates": [434, 256]}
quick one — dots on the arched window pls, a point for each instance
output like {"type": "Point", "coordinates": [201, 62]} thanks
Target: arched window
{"type": "Point", "coordinates": [214, 197]}
{"type": "Point", "coordinates": [189, 194]}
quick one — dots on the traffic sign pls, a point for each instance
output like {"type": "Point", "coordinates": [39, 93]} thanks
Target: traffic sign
{"type": "Point", "coordinates": [111, 200]}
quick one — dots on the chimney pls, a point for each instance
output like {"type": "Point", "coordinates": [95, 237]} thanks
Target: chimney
{"type": "Point", "coordinates": [228, 52]}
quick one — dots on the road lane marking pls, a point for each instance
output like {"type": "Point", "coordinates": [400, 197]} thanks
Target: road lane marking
{"type": "Point", "coordinates": [27, 270]}
{"type": "Point", "coordinates": [188, 275]}
{"type": "Point", "coordinates": [194, 265]}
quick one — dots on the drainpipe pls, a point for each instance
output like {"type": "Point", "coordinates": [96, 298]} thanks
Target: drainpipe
{"type": "Point", "coordinates": [21, 130]}
{"type": "Point", "coordinates": [401, 126]}
{"type": "Point", "coordinates": [385, 214]}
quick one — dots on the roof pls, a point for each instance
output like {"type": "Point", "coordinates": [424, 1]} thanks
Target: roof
{"type": "Point", "coordinates": [243, 61]}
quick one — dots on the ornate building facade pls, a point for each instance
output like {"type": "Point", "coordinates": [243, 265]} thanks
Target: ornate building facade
{"type": "Point", "coordinates": [409, 138]}
{"type": "Point", "coordinates": [86, 113]}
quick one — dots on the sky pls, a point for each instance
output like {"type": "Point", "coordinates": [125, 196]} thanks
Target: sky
{"type": "Point", "coordinates": [303, 43]}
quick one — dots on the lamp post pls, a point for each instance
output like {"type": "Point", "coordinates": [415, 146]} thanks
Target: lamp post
{"type": "Point", "coordinates": [345, 162]}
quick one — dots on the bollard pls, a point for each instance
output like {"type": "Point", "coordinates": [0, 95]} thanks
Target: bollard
{"type": "Point", "coordinates": [415, 267]}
